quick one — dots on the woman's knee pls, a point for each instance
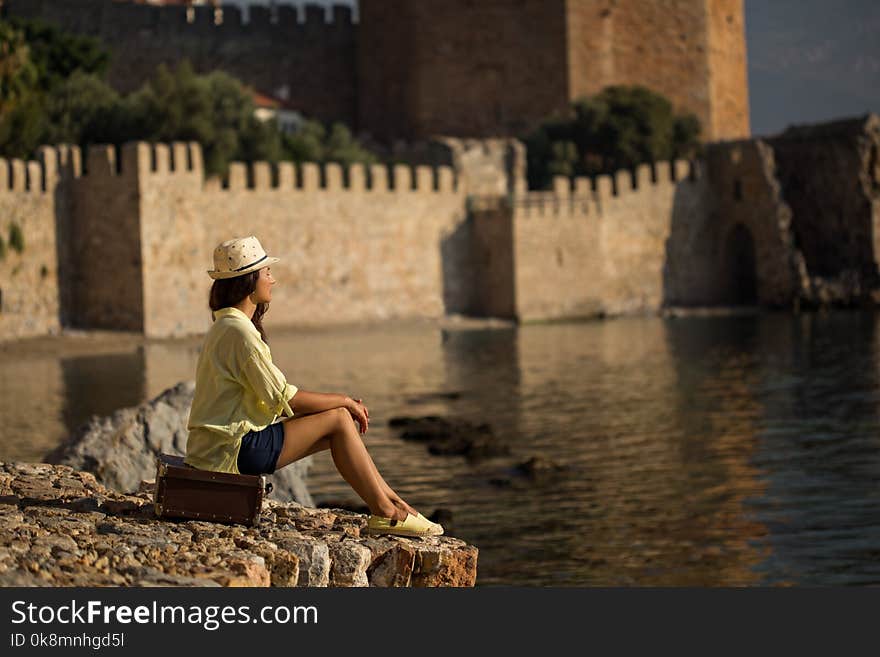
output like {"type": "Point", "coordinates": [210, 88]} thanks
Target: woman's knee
{"type": "Point", "coordinates": [343, 417]}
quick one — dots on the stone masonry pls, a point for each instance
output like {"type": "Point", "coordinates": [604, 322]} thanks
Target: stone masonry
{"type": "Point", "coordinates": [126, 243]}
{"type": "Point", "coordinates": [479, 69]}
{"type": "Point", "coordinates": [60, 527]}
{"type": "Point", "coordinates": [419, 68]}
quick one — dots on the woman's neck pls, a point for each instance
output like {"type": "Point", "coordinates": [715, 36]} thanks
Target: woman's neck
{"type": "Point", "coordinates": [246, 306]}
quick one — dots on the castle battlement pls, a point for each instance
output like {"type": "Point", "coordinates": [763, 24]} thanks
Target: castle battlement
{"type": "Point", "coordinates": [164, 18]}
{"type": "Point", "coordinates": [159, 162]}
{"type": "Point", "coordinates": [583, 196]}
{"type": "Point", "coordinates": [332, 177]}
{"type": "Point", "coordinates": [21, 176]}
{"type": "Point", "coordinates": [363, 67]}
{"type": "Point", "coordinates": [40, 176]}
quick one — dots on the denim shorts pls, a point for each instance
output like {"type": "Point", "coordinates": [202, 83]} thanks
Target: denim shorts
{"type": "Point", "coordinates": [260, 450]}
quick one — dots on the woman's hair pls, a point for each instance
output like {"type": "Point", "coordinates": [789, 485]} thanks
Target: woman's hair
{"type": "Point", "coordinates": [227, 292]}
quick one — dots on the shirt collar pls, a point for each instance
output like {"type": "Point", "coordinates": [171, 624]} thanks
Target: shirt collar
{"type": "Point", "coordinates": [231, 312]}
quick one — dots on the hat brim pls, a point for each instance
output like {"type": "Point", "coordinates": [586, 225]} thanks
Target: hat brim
{"type": "Point", "coordinates": [233, 274]}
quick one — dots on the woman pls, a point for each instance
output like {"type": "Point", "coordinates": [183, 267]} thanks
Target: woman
{"type": "Point", "coordinates": [246, 418]}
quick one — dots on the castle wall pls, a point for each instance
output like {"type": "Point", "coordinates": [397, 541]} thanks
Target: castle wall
{"type": "Point", "coordinates": [415, 68]}
{"type": "Point", "coordinates": [830, 177]}
{"type": "Point", "coordinates": [728, 76]}
{"type": "Point", "coordinates": [635, 230]}
{"type": "Point", "coordinates": [105, 249]}
{"type": "Point", "coordinates": [691, 51]}
{"type": "Point", "coordinates": [558, 256]}
{"type": "Point", "coordinates": [745, 192]}
{"type": "Point", "coordinates": [361, 247]}
{"type": "Point", "coordinates": [29, 298]}
{"type": "Point", "coordinates": [599, 247]}
{"type": "Point", "coordinates": [461, 68]}
{"type": "Point", "coordinates": [292, 53]}
{"type": "Point", "coordinates": [494, 262]}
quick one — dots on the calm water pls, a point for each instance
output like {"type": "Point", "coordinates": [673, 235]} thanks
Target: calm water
{"type": "Point", "coordinates": [699, 451]}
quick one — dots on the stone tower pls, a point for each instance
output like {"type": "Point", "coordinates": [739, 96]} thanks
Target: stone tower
{"type": "Point", "coordinates": [480, 68]}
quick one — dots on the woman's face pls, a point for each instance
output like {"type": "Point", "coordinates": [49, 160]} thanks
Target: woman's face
{"type": "Point", "coordinates": [263, 291]}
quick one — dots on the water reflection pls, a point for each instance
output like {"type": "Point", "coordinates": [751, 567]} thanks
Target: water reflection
{"type": "Point", "coordinates": [101, 384]}
{"type": "Point", "coordinates": [700, 451]}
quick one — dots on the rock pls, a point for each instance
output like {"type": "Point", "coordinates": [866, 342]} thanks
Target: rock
{"type": "Point", "coordinates": [433, 396]}
{"type": "Point", "coordinates": [355, 506]}
{"type": "Point", "coordinates": [314, 560]}
{"type": "Point", "coordinates": [121, 450]}
{"type": "Point", "coordinates": [47, 541]}
{"type": "Point", "coordinates": [439, 567]}
{"type": "Point", "coordinates": [535, 471]}
{"type": "Point", "coordinates": [349, 563]}
{"type": "Point", "coordinates": [451, 436]}
{"type": "Point", "coordinates": [539, 469]}
{"type": "Point", "coordinates": [394, 564]}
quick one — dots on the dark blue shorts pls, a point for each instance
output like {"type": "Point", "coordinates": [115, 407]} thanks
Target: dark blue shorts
{"type": "Point", "coordinates": [260, 450]}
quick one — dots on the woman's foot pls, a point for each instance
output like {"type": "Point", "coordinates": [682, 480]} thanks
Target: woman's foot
{"type": "Point", "coordinates": [400, 504]}
{"type": "Point", "coordinates": [411, 526]}
{"type": "Point", "coordinates": [391, 512]}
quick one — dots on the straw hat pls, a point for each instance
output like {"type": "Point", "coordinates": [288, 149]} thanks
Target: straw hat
{"type": "Point", "coordinates": [239, 256]}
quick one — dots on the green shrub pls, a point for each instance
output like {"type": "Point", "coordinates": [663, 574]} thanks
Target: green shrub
{"type": "Point", "coordinates": [618, 128]}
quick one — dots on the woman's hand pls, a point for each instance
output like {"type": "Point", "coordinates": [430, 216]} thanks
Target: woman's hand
{"type": "Point", "coordinates": [360, 413]}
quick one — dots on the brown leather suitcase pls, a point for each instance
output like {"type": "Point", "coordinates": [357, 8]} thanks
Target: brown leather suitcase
{"type": "Point", "coordinates": [183, 491]}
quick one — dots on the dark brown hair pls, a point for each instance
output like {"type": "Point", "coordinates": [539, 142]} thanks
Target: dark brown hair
{"type": "Point", "coordinates": [228, 292]}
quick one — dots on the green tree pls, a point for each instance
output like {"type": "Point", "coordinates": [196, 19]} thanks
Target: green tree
{"type": "Point", "coordinates": [618, 128]}
{"type": "Point", "coordinates": [36, 61]}
{"type": "Point", "coordinates": [56, 54]}
{"type": "Point", "coordinates": [313, 142]}
{"type": "Point", "coordinates": [214, 109]}
{"type": "Point", "coordinates": [307, 143]}
{"type": "Point", "coordinates": [18, 74]}
{"type": "Point", "coordinates": [83, 109]}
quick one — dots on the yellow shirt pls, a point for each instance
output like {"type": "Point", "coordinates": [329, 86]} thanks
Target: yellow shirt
{"type": "Point", "coordinates": [238, 389]}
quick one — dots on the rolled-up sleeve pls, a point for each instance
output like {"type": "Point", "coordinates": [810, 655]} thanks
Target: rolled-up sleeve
{"type": "Point", "coordinates": [268, 383]}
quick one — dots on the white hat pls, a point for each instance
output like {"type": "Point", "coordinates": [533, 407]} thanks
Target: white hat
{"type": "Point", "coordinates": [239, 256]}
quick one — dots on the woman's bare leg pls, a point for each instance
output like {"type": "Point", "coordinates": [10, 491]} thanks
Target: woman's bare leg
{"type": "Point", "coordinates": [324, 443]}
{"type": "Point", "coordinates": [396, 499]}
{"type": "Point", "coordinates": [311, 433]}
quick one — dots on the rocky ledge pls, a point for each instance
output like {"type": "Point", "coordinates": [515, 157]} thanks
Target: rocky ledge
{"type": "Point", "coordinates": [60, 527]}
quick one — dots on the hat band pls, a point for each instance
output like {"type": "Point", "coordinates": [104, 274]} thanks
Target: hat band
{"type": "Point", "coordinates": [252, 264]}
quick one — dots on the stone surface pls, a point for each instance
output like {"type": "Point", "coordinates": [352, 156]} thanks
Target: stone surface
{"type": "Point", "coordinates": [634, 242]}
{"type": "Point", "coordinates": [121, 450]}
{"type": "Point", "coordinates": [475, 69]}
{"type": "Point", "coordinates": [48, 537]}
{"type": "Point", "coordinates": [498, 68]}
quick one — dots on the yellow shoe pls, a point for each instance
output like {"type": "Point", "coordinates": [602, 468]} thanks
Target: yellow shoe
{"type": "Point", "coordinates": [412, 526]}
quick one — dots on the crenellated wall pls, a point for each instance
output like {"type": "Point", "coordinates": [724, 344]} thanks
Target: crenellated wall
{"type": "Point", "coordinates": [292, 52]}
{"type": "Point", "coordinates": [589, 247]}
{"type": "Point", "coordinates": [123, 238]}
{"type": "Point", "coordinates": [359, 245]}
{"type": "Point", "coordinates": [420, 68]}
{"type": "Point", "coordinates": [30, 206]}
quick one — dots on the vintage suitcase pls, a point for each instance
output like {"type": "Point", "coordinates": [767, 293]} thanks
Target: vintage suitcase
{"type": "Point", "coordinates": [183, 491]}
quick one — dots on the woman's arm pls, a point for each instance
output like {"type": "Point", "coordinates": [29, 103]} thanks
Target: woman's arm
{"type": "Point", "coordinates": [305, 402]}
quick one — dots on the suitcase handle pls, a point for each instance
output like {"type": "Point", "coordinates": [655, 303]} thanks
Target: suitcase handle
{"type": "Point", "coordinates": [269, 487]}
